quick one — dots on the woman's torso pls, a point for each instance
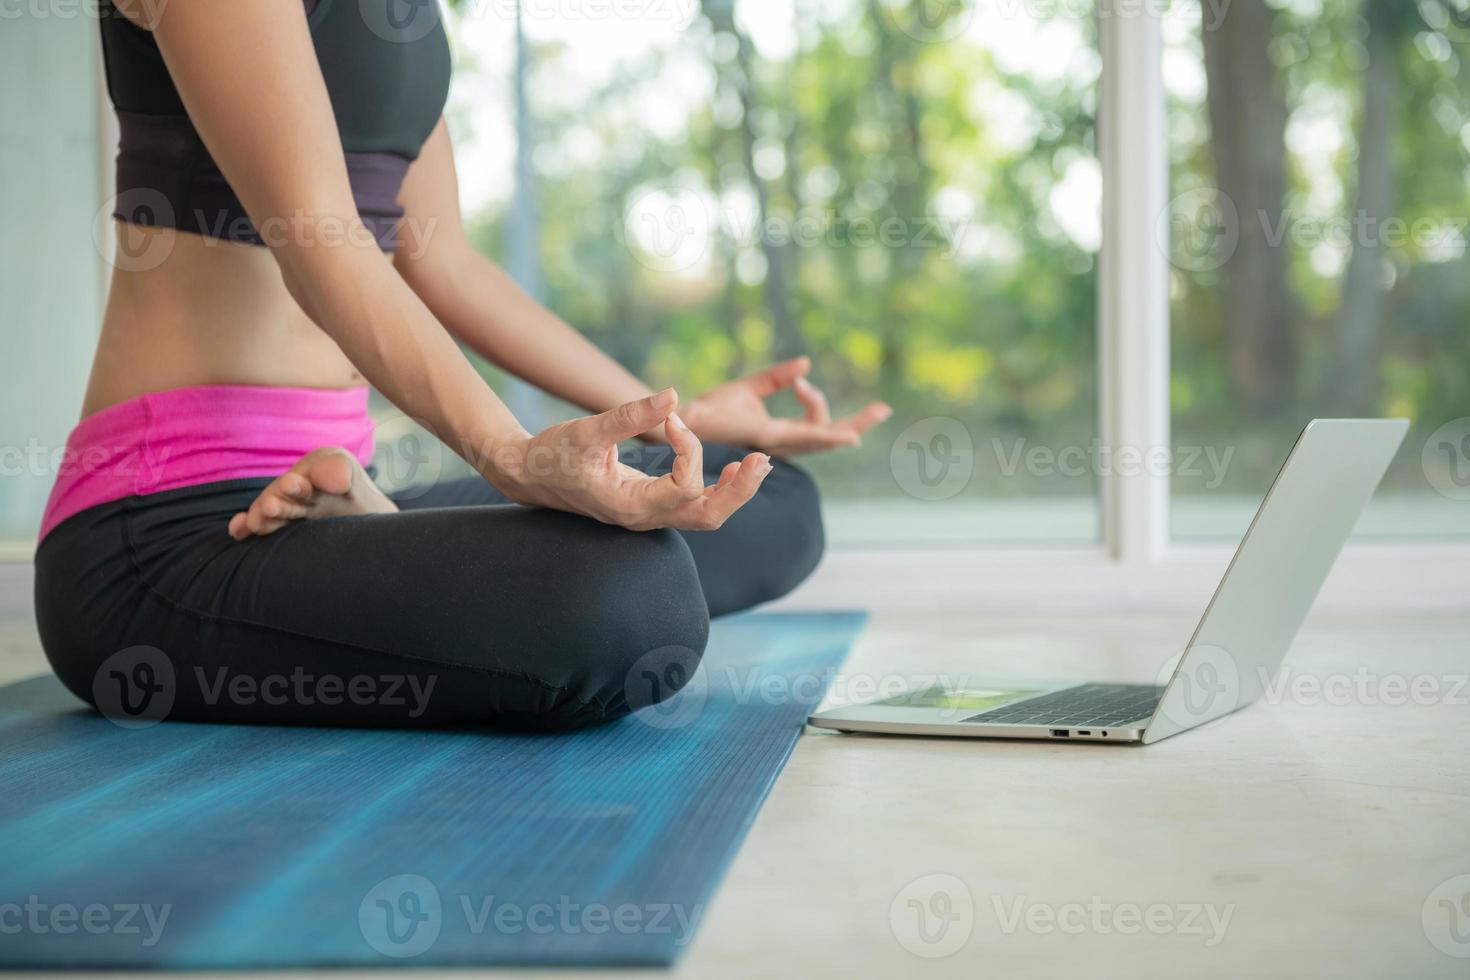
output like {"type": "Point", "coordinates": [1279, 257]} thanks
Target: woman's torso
{"type": "Point", "coordinates": [211, 313]}
{"type": "Point", "coordinates": [186, 308]}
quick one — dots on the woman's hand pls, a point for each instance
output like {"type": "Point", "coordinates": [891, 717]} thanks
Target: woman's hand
{"type": "Point", "coordinates": [735, 412]}
{"type": "Point", "coordinates": [574, 466]}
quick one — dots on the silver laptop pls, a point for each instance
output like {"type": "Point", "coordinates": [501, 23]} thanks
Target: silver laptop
{"type": "Point", "coordinates": [1239, 643]}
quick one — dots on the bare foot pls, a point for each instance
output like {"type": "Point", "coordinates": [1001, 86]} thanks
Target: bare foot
{"type": "Point", "coordinates": [328, 482]}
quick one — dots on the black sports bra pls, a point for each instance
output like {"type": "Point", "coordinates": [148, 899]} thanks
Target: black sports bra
{"type": "Point", "coordinates": [386, 66]}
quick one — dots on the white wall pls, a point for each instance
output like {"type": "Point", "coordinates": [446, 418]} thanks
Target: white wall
{"type": "Point", "coordinates": [51, 281]}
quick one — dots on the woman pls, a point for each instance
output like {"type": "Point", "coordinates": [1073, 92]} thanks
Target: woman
{"type": "Point", "coordinates": [290, 232]}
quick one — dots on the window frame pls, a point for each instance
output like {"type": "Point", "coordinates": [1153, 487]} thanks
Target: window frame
{"type": "Point", "coordinates": [1133, 279]}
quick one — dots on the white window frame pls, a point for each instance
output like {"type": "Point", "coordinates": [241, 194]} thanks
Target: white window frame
{"type": "Point", "coordinates": [1133, 282]}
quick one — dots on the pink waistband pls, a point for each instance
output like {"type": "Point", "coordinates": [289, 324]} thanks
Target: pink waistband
{"type": "Point", "coordinates": [184, 437]}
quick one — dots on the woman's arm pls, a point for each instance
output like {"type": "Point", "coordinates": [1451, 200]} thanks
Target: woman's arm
{"type": "Point", "coordinates": [482, 305]}
{"type": "Point", "coordinates": [269, 125]}
{"type": "Point", "coordinates": [250, 81]}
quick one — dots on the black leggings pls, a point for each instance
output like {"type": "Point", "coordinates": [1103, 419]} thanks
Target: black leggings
{"type": "Point", "coordinates": [461, 610]}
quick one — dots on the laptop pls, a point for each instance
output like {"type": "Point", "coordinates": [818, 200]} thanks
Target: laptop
{"type": "Point", "coordinates": [1251, 620]}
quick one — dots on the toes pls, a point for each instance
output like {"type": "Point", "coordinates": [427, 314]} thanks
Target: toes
{"type": "Point", "coordinates": [276, 506]}
{"type": "Point", "coordinates": [259, 522]}
{"type": "Point", "coordinates": [331, 471]}
{"type": "Point", "coordinates": [324, 483]}
{"type": "Point", "coordinates": [268, 513]}
{"type": "Point", "coordinates": [294, 485]}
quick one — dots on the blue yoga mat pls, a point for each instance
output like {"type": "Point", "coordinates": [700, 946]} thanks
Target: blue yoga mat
{"type": "Point", "coordinates": [184, 846]}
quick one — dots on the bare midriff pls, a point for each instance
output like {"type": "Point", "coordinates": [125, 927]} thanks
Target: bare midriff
{"type": "Point", "coordinates": [186, 310]}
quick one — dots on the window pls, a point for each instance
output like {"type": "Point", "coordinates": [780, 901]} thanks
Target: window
{"type": "Point", "coordinates": [1320, 172]}
{"type": "Point", "coordinates": [907, 194]}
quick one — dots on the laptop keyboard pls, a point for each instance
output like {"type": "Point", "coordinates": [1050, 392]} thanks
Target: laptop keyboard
{"type": "Point", "coordinates": [1097, 705]}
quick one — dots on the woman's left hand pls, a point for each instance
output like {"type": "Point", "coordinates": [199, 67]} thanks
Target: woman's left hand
{"type": "Point", "coordinates": [735, 413]}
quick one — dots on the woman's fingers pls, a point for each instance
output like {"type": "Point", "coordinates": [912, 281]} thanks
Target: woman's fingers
{"type": "Point", "coordinates": [715, 508]}
{"type": "Point", "coordinates": [779, 377]}
{"type": "Point", "coordinates": [813, 402]}
{"type": "Point", "coordinates": [800, 436]}
{"type": "Point", "coordinates": [726, 475]}
{"type": "Point", "coordinates": [689, 454]}
{"type": "Point", "coordinates": [663, 503]}
{"type": "Point", "coordinates": [861, 421]}
{"type": "Point", "coordinates": [631, 418]}
{"type": "Point", "coordinates": [650, 497]}
{"type": "Point", "coordinates": [617, 494]}
{"type": "Point", "coordinates": [816, 432]}
{"type": "Point", "coordinates": [641, 501]}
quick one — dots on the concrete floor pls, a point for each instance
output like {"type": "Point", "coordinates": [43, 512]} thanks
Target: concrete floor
{"type": "Point", "coordinates": [1324, 832]}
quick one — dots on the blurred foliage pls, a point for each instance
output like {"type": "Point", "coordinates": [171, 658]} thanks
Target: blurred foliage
{"type": "Point", "coordinates": [984, 308]}
{"type": "Point", "coordinates": [1321, 53]}
{"type": "Point", "coordinates": [892, 298]}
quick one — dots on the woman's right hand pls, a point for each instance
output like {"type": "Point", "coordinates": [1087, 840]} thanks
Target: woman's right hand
{"type": "Point", "coordinates": [574, 466]}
